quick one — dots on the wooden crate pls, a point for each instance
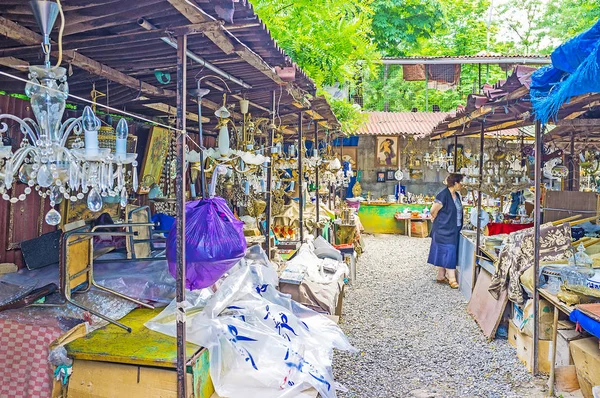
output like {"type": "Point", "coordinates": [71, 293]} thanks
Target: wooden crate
{"type": "Point", "coordinates": [586, 355]}
{"type": "Point", "coordinates": [419, 229]}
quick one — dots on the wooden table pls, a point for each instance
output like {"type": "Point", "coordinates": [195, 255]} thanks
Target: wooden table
{"type": "Point", "coordinates": [408, 223]}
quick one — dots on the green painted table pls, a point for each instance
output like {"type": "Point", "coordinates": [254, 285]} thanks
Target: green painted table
{"type": "Point", "coordinates": [379, 219]}
{"type": "Point", "coordinates": [111, 362]}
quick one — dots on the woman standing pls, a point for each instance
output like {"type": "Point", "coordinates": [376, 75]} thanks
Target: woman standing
{"type": "Point", "coordinates": [447, 215]}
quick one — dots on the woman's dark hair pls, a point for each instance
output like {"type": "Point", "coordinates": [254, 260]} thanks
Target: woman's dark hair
{"type": "Point", "coordinates": [453, 178]}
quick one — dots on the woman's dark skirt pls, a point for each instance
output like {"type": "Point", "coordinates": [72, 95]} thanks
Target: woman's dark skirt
{"type": "Point", "coordinates": [443, 254]}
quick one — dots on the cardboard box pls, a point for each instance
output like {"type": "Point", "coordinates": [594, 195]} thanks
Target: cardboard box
{"type": "Point", "coordinates": [94, 379]}
{"type": "Point", "coordinates": [517, 316]}
{"type": "Point", "coordinates": [586, 355]}
{"type": "Point", "coordinates": [419, 229]}
{"type": "Point", "coordinates": [546, 317]}
{"type": "Point", "coordinates": [524, 346]}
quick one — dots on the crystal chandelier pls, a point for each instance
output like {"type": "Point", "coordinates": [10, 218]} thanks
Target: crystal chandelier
{"type": "Point", "coordinates": [43, 161]}
{"type": "Point", "coordinates": [502, 173]}
{"type": "Point", "coordinates": [439, 159]}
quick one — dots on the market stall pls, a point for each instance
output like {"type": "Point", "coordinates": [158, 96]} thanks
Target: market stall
{"type": "Point", "coordinates": [126, 230]}
{"type": "Point", "coordinates": [559, 248]}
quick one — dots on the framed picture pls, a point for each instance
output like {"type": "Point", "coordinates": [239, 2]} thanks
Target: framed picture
{"type": "Point", "coordinates": [381, 176]}
{"type": "Point", "coordinates": [386, 152]}
{"type": "Point", "coordinates": [348, 154]}
{"type": "Point", "coordinates": [79, 210]}
{"type": "Point", "coordinates": [391, 175]}
{"type": "Point", "coordinates": [155, 157]}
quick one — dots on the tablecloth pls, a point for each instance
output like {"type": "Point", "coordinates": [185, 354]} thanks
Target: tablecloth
{"type": "Point", "coordinates": [24, 350]}
{"type": "Point", "coordinates": [495, 228]}
{"type": "Point", "coordinates": [588, 324]}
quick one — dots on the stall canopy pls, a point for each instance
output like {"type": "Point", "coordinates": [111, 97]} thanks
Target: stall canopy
{"type": "Point", "coordinates": [128, 50]}
{"type": "Point", "coordinates": [575, 70]}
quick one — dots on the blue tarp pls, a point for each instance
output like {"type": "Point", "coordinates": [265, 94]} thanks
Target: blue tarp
{"type": "Point", "coordinates": [575, 70]}
{"type": "Point", "coordinates": [588, 324]}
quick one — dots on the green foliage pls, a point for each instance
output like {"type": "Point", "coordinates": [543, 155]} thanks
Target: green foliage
{"type": "Point", "coordinates": [350, 115]}
{"type": "Point", "coordinates": [566, 18]}
{"type": "Point", "coordinates": [398, 25]}
{"type": "Point", "coordinates": [326, 38]}
{"type": "Point", "coordinates": [402, 96]}
{"type": "Point", "coordinates": [329, 39]}
{"type": "Point", "coordinates": [540, 26]}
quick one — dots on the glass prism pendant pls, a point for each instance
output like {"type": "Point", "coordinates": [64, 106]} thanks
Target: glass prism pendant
{"type": "Point", "coordinates": [53, 217]}
{"type": "Point", "coordinates": [94, 200]}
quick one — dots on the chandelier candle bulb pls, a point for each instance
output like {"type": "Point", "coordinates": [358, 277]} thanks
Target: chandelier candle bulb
{"type": "Point", "coordinates": [91, 125]}
{"type": "Point", "coordinates": [122, 133]}
{"type": "Point", "coordinates": [223, 141]}
{"type": "Point", "coordinates": [244, 104]}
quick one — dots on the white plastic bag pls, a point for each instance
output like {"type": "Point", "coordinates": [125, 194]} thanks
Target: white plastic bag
{"type": "Point", "coordinates": [261, 343]}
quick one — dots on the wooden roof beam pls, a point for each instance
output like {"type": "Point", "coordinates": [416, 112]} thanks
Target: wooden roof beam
{"type": "Point", "coordinates": [14, 63]}
{"type": "Point", "coordinates": [223, 39]}
{"type": "Point", "coordinates": [23, 35]}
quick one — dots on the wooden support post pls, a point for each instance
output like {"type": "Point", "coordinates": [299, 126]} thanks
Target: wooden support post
{"type": "Point", "coordinates": [180, 227]}
{"type": "Point", "coordinates": [539, 145]}
{"type": "Point", "coordinates": [553, 363]}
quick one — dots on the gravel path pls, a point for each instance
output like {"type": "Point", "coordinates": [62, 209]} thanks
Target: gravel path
{"type": "Point", "coordinates": [415, 338]}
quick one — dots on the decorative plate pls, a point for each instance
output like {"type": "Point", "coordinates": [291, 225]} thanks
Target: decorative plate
{"type": "Point", "coordinates": [399, 175]}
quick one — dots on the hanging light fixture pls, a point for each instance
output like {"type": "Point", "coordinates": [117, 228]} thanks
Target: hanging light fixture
{"type": "Point", "coordinates": [43, 161]}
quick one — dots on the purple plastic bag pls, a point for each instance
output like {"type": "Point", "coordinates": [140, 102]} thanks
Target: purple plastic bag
{"type": "Point", "coordinates": [214, 242]}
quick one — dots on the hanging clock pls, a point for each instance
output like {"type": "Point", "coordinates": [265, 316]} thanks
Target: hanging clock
{"type": "Point", "coordinates": [398, 175]}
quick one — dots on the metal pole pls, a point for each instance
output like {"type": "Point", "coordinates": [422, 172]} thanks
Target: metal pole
{"type": "Point", "coordinates": [426, 88]}
{"type": "Point", "coordinates": [270, 140]}
{"type": "Point", "coordinates": [316, 153]}
{"type": "Point", "coordinates": [456, 170]}
{"type": "Point", "coordinates": [479, 194]}
{"type": "Point", "coordinates": [300, 179]}
{"type": "Point", "coordinates": [201, 143]}
{"type": "Point", "coordinates": [386, 105]}
{"type": "Point", "coordinates": [536, 246]}
{"type": "Point", "coordinates": [180, 227]}
{"type": "Point", "coordinates": [572, 162]}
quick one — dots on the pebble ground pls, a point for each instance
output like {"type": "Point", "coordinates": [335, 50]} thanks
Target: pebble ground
{"type": "Point", "coordinates": [415, 338]}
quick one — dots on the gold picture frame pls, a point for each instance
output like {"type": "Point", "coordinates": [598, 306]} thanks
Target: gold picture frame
{"type": "Point", "coordinates": [386, 151]}
{"type": "Point", "coordinates": [156, 154]}
{"type": "Point", "coordinates": [75, 211]}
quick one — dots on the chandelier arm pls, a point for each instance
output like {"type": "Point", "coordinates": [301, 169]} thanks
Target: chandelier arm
{"type": "Point", "coordinates": [19, 157]}
{"type": "Point", "coordinates": [25, 128]}
{"type": "Point", "coordinates": [34, 125]}
{"type": "Point", "coordinates": [67, 127]}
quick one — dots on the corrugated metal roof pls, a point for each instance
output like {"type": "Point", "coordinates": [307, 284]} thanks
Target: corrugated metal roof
{"type": "Point", "coordinates": [470, 59]}
{"type": "Point", "coordinates": [402, 123]}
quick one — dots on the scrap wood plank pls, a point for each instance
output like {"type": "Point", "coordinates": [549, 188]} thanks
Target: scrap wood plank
{"type": "Point", "coordinates": [485, 309]}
